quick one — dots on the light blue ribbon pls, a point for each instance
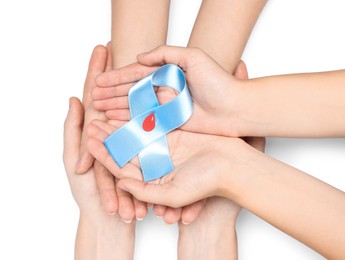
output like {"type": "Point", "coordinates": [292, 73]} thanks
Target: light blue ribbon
{"type": "Point", "coordinates": [151, 145]}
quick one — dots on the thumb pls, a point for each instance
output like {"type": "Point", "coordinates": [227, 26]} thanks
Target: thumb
{"type": "Point", "coordinates": [162, 194]}
{"type": "Point", "coordinates": [97, 66]}
{"type": "Point", "coordinates": [180, 56]}
{"type": "Point", "coordinates": [72, 133]}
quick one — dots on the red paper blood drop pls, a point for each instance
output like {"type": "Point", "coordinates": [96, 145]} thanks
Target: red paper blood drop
{"type": "Point", "coordinates": [149, 122]}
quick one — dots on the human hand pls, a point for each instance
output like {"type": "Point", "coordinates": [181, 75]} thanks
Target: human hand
{"type": "Point", "coordinates": [99, 235]}
{"type": "Point", "coordinates": [208, 83]}
{"type": "Point", "coordinates": [259, 143]}
{"type": "Point", "coordinates": [201, 163]}
{"type": "Point", "coordinates": [218, 214]}
{"type": "Point", "coordinates": [111, 200]}
{"type": "Point", "coordinates": [118, 97]}
{"type": "Point", "coordinates": [83, 187]}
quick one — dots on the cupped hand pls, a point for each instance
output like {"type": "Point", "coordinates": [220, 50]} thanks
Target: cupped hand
{"type": "Point", "coordinates": [111, 199]}
{"type": "Point", "coordinates": [213, 90]}
{"type": "Point", "coordinates": [83, 187]}
{"type": "Point", "coordinates": [115, 99]}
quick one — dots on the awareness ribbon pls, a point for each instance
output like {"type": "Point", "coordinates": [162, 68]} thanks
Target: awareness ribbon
{"type": "Point", "coordinates": [145, 134]}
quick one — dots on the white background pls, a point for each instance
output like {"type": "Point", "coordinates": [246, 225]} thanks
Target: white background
{"type": "Point", "coordinates": [44, 52]}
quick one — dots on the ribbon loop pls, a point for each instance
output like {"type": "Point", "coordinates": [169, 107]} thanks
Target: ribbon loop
{"type": "Point", "coordinates": [145, 134]}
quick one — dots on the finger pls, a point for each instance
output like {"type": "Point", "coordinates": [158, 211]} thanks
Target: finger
{"type": "Point", "coordinates": [111, 103]}
{"type": "Point", "coordinates": [129, 74]}
{"type": "Point", "coordinates": [192, 211]}
{"type": "Point", "coordinates": [106, 187]}
{"type": "Point", "coordinates": [140, 209]}
{"type": "Point", "coordinates": [85, 161]}
{"type": "Point", "coordinates": [96, 132]}
{"type": "Point", "coordinates": [96, 67]}
{"type": "Point", "coordinates": [72, 134]}
{"type": "Point", "coordinates": [183, 57]}
{"type": "Point", "coordinates": [119, 114]}
{"type": "Point", "coordinates": [100, 93]}
{"type": "Point", "coordinates": [100, 129]}
{"type": "Point", "coordinates": [172, 215]}
{"type": "Point", "coordinates": [163, 194]}
{"type": "Point", "coordinates": [101, 154]}
{"type": "Point", "coordinates": [126, 206]}
{"type": "Point", "coordinates": [159, 210]}
{"type": "Point", "coordinates": [116, 123]}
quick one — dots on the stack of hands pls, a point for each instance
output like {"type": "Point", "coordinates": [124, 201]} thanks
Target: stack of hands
{"type": "Point", "coordinates": [219, 166]}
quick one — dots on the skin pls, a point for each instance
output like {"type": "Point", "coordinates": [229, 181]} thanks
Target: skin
{"type": "Point", "coordinates": [126, 44]}
{"type": "Point", "coordinates": [99, 234]}
{"type": "Point", "coordinates": [280, 113]}
{"type": "Point", "coordinates": [218, 214]}
{"type": "Point", "coordinates": [154, 16]}
{"type": "Point", "coordinates": [289, 200]}
{"type": "Point", "coordinates": [214, 165]}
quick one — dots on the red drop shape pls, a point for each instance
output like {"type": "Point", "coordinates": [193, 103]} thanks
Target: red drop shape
{"type": "Point", "coordinates": [149, 122]}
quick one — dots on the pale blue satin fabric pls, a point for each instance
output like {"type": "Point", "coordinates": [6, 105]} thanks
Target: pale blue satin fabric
{"type": "Point", "coordinates": [151, 147]}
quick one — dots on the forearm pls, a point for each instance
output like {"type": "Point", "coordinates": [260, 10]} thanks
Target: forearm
{"type": "Point", "coordinates": [223, 27]}
{"type": "Point", "coordinates": [298, 204]}
{"type": "Point", "coordinates": [212, 241]}
{"type": "Point", "coordinates": [104, 238]}
{"type": "Point", "coordinates": [137, 26]}
{"type": "Point", "coordinates": [300, 105]}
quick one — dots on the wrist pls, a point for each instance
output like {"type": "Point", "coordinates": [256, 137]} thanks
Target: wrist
{"type": "Point", "coordinates": [103, 237]}
{"type": "Point", "coordinates": [243, 116]}
{"type": "Point", "coordinates": [217, 241]}
{"type": "Point", "coordinates": [236, 167]}
{"type": "Point", "coordinates": [233, 115]}
{"type": "Point", "coordinates": [105, 225]}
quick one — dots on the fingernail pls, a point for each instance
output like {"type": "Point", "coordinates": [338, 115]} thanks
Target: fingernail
{"type": "Point", "coordinates": [111, 213]}
{"type": "Point", "coordinates": [139, 219]}
{"type": "Point", "coordinates": [127, 221]}
{"type": "Point", "coordinates": [159, 216]}
{"type": "Point", "coordinates": [185, 223]}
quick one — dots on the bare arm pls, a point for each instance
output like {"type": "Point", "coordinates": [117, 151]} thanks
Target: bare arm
{"type": "Point", "coordinates": [223, 27]}
{"type": "Point", "coordinates": [137, 26]}
{"type": "Point", "coordinates": [298, 204]}
{"type": "Point", "coordinates": [299, 105]}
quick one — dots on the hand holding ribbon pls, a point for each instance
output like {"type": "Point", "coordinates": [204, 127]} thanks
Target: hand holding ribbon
{"type": "Point", "coordinates": [216, 94]}
{"type": "Point", "coordinates": [145, 134]}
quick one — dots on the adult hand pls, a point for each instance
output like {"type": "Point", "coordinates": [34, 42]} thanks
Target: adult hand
{"type": "Point", "coordinates": [201, 163]}
{"type": "Point", "coordinates": [215, 92]}
{"type": "Point", "coordinates": [111, 199]}
{"type": "Point", "coordinates": [115, 99]}
{"type": "Point", "coordinates": [99, 235]}
{"type": "Point", "coordinates": [189, 214]}
{"type": "Point", "coordinates": [83, 187]}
